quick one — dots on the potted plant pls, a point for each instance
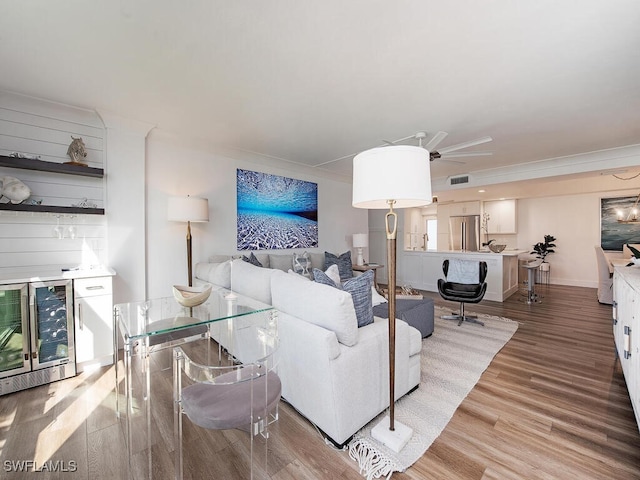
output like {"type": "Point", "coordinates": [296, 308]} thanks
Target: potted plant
{"type": "Point", "coordinates": [542, 249]}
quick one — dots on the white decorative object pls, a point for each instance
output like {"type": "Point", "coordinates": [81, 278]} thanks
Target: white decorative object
{"type": "Point", "coordinates": [14, 189]}
{"type": "Point", "coordinates": [191, 296]}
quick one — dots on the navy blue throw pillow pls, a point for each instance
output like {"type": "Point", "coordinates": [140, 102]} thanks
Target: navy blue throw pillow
{"type": "Point", "coordinates": [252, 260]}
{"type": "Point", "coordinates": [343, 261]}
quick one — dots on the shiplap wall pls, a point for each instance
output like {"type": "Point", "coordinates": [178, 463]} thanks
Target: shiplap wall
{"type": "Point", "coordinates": [29, 241]}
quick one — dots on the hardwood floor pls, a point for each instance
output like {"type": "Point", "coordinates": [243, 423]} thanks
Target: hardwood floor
{"type": "Point", "coordinates": [553, 404]}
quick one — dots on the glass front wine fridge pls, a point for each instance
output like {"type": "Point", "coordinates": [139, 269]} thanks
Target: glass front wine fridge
{"type": "Point", "coordinates": [36, 334]}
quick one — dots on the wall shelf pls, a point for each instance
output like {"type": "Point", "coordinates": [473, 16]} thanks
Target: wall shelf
{"type": "Point", "coordinates": [51, 167]}
{"type": "Point", "coordinates": [20, 207]}
{"type": "Point", "coordinates": [44, 166]}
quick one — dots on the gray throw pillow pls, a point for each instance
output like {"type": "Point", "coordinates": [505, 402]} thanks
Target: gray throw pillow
{"type": "Point", "coordinates": [252, 260]}
{"type": "Point", "coordinates": [360, 290]}
{"type": "Point", "coordinates": [343, 261]}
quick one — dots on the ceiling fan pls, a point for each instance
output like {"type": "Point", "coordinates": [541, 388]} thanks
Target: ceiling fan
{"type": "Point", "coordinates": [446, 152]}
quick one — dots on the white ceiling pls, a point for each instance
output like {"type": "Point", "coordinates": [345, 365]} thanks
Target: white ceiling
{"type": "Point", "coordinates": [314, 82]}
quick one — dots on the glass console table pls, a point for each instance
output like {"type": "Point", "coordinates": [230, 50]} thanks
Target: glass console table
{"type": "Point", "coordinates": [237, 324]}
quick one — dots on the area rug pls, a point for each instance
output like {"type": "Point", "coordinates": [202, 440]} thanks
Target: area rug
{"type": "Point", "coordinates": [452, 361]}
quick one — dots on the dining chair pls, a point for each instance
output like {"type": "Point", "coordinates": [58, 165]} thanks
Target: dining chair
{"type": "Point", "coordinates": [238, 396]}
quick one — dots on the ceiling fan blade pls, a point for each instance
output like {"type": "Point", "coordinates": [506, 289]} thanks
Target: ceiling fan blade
{"type": "Point", "coordinates": [445, 159]}
{"type": "Point", "coordinates": [435, 141]}
{"type": "Point", "coordinates": [466, 154]}
{"type": "Point", "coordinates": [468, 144]}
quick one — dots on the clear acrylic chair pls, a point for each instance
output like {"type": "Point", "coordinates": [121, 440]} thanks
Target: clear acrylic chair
{"type": "Point", "coordinates": [244, 396]}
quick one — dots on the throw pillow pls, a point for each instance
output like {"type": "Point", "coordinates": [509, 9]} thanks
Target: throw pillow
{"type": "Point", "coordinates": [376, 298]}
{"type": "Point", "coordinates": [291, 272]}
{"type": "Point", "coordinates": [332, 273]}
{"type": "Point", "coordinates": [281, 261]}
{"type": "Point", "coordinates": [302, 264]}
{"type": "Point", "coordinates": [252, 260]}
{"type": "Point", "coordinates": [360, 289]}
{"type": "Point", "coordinates": [343, 261]}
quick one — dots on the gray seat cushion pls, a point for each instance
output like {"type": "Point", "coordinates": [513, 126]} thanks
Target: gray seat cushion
{"type": "Point", "coordinates": [225, 406]}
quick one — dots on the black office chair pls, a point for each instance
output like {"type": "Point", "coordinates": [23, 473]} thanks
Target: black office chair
{"type": "Point", "coordinates": [463, 292]}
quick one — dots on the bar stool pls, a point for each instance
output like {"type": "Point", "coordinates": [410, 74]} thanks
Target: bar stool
{"type": "Point", "coordinates": [532, 267]}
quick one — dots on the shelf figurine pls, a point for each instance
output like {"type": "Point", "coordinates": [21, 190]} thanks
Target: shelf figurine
{"type": "Point", "coordinates": [77, 152]}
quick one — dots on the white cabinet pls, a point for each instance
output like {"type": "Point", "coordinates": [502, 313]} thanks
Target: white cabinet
{"type": "Point", "coordinates": [626, 329]}
{"type": "Point", "coordinates": [464, 208]}
{"type": "Point", "coordinates": [502, 216]}
{"type": "Point", "coordinates": [93, 321]}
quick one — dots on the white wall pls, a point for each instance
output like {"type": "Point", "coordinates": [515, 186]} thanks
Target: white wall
{"type": "Point", "coordinates": [175, 169]}
{"type": "Point", "coordinates": [575, 222]}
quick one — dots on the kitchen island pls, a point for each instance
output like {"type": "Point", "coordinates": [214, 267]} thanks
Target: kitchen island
{"type": "Point", "coordinates": [422, 269]}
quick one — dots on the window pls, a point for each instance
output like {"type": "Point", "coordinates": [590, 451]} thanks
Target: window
{"type": "Point", "coordinates": [432, 233]}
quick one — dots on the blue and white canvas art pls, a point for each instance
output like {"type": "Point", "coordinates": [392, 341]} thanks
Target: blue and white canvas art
{"type": "Point", "coordinates": [276, 212]}
{"type": "Point", "coordinates": [619, 222]}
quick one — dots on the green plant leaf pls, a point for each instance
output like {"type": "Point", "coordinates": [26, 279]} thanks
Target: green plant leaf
{"type": "Point", "coordinates": [634, 250]}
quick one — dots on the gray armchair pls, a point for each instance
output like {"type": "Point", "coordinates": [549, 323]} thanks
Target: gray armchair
{"type": "Point", "coordinates": [605, 278]}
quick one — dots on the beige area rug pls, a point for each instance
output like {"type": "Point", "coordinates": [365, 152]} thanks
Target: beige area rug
{"type": "Point", "coordinates": [452, 361]}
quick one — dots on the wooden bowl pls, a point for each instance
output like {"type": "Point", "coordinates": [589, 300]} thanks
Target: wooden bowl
{"type": "Point", "coordinates": [191, 296]}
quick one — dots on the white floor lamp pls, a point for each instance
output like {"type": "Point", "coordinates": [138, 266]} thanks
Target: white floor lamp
{"type": "Point", "coordinates": [384, 178]}
{"type": "Point", "coordinates": [188, 209]}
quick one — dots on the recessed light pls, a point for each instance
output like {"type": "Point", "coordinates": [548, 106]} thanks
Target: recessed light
{"type": "Point", "coordinates": [481, 191]}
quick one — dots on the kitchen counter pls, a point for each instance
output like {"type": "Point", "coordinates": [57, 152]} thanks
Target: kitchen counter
{"type": "Point", "coordinates": [49, 274]}
{"type": "Point", "coordinates": [421, 269]}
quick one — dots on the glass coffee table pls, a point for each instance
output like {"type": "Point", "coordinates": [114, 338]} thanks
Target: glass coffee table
{"type": "Point", "coordinates": [238, 324]}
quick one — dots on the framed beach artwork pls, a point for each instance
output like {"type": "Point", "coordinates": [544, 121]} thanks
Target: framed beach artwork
{"type": "Point", "coordinates": [275, 212]}
{"type": "Point", "coordinates": [619, 222]}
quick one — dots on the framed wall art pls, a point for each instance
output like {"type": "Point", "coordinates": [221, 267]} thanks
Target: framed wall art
{"type": "Point", "coordinates": [275, 212]}
{"type": "Point", "coordinates": [619, 222]}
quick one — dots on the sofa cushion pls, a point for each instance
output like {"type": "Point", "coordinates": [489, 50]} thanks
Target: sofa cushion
{"type": "Point", "coordinates": [360, 290]}
{"type": "Point", "coordinates": [252, 260]}
{"type": "Point", "coordinates": [252, 281]}
{"type": "Point", "coordinates": [281, 262]}
{"type": "Point", "coordinates": [216, 273]}
{"type": "Point", "coordinates": [343, 261]}
{"type": "Point", "coordinates": [291, 272]}
{"type": "Point", "coordinates": [302, 264]}
{"type": "Point", "coordinates": [219, 258]}
{"type": "Point", "coordinates": [322, 305]}
{"type": "Point", "coordinates": [317, 260]}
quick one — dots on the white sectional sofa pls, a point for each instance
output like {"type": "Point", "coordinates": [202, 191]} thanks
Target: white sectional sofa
{"type": "Point", "coordinates": [332, 372]}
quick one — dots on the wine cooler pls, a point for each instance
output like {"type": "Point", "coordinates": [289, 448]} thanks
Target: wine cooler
{"type": "Point", "coordinates": [36, 334]}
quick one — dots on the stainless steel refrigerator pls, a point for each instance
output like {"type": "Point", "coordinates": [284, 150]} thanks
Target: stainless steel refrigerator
{"type": "Point", "coordinates": [465, 233]}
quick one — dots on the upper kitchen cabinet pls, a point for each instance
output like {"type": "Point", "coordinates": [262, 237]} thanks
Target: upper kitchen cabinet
{"type": "Point", "coordinates": [502, 216]}
{"type": "Point", "coordinates": [464, 208]}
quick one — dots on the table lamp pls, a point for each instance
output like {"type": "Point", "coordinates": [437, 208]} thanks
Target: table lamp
{"type": "Point", "coordinates": [360, 241]}
{"type": "Point", "coordinates": [188, 209]}
{"type": "Point", "coordinates": [383, 178]}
